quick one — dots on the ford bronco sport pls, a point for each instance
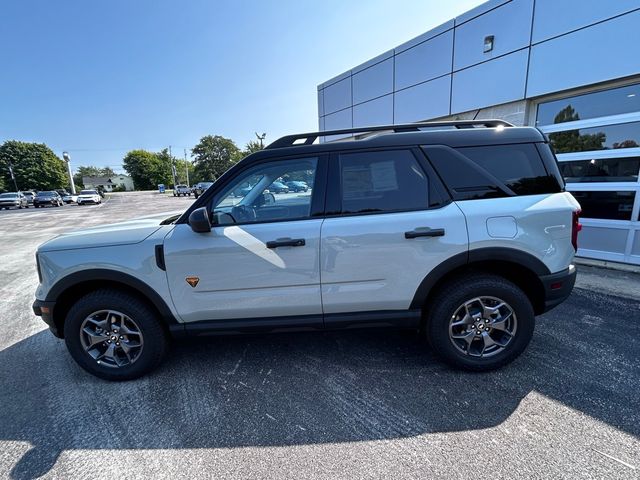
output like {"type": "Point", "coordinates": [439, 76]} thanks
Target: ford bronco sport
{"type": "Point", "coordinates": [460, 230]}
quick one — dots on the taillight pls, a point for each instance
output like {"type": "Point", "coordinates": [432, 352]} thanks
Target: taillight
{"type": "Point", "coordinates": [576, 226]}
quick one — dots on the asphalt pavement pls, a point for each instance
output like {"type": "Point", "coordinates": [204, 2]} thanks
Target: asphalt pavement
{"type": "Point", "coordinates": [359, 404]}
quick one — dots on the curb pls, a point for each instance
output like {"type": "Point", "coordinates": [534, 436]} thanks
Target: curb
{"type": "Point", "coordinates": [621, 267]}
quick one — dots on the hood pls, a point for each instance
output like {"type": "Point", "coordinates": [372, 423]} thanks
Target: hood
{"type": "Point", "coordinates": [123, 233]}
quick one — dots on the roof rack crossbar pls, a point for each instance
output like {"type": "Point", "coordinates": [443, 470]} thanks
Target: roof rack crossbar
{"type": "Point", "coordinates": [308, 138]}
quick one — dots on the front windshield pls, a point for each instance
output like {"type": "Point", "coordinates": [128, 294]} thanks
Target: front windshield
{"type": "Point", "coordinates": [44, 194]}
{"type": "Point", "coordinates": [88, 192]}
{"type": "Point", "coordinates": [8, 195]}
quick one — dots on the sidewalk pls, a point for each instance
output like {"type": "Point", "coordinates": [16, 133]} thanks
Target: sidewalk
{"type": "Point", "coordinates": [605, 280]}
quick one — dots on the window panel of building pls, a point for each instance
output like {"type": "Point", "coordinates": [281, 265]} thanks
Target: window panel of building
{"type": "Point", "coordinates": [606, 137]}
{"type": "Point", "coordinates": [590, 105]}
{"type": "Point", "coordinates": [606, 205]}
{"type": "Point", "coordinates": [601, 170]}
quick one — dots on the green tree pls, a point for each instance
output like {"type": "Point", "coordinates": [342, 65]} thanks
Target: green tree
{"type": "Point", "coordinates": [252, 147]}
{"type": "Point", "coordinates": [572, 140]}
{"type": "Point", "coordinates": [214, 155]}
{"type": "Point", "coordinates": [140, 165]}
{"type": "Point", "coordinates": [34, 166]}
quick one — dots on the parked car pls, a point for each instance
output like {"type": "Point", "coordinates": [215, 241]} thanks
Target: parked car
{"type": "Point", "coordinates": [278, 187]}
{"type": "Point", "coordinates": [297, 186]}
{"type": "Point", "coordinates": [183, 190]}
{"type": "Point", "coordinates": [13, 200]}
{"type": "Point", "coordinates": [47, 197]}
{"type": "Point", "coordinates": [464, 234]}
{"type": "Point", "coordinates": [70, 198]}
{"type": "Point", "coordinates": [200, 188]}
{"type": "Point", "coordinates": [89, 196]}
{"type": "Point", "coordinates": [29, 195]}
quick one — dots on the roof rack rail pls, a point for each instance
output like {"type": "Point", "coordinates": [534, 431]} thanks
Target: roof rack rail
{"type": "Point", "coordinates": [300, 139]}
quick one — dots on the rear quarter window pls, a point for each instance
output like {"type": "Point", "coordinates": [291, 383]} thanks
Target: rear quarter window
{"type": "Point", "coordinates": [493, 171]}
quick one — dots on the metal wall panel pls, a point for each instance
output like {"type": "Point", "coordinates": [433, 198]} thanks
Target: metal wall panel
{"type": "Point", "coordinates": [491, 83]}
{"type": "Point", "coordinates": [374, 112]}
{"type": "Point", "coordinates": [425, 61]}
{"type": "Point", "coordinates": [338, 120]}
{"type": "Point", "coordinates": [320, 102]}
{"type": "Point", "coordinates": [556, 17]}
{"type": "Point", "coordinates": [603, 239]}
{"type": "Point", "coordinates": [510, 24]}
{"type": "Point", "coordinates": [424, 101]}
{"type": "Point", "coordinates": [595, 54]}
{"type": "Point", "coordinates": [337, 96]}
{"type": "Point", "coordinates": [373, 82]}
{"type": "Point", "coordinates": [635, 249]}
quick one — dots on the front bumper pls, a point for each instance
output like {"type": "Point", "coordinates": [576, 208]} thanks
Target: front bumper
{"type": "Point", "coordinates": [44, 310]}
{"type": "Point", "coordinates": [558, 286]}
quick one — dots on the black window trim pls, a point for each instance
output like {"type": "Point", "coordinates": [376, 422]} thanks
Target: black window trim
{"type": "Point", "coordinates": [438, 198]}
{"type": "Point", "coordinates": [318, 190]}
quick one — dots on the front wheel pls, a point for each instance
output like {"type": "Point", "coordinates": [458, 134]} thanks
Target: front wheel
{"type": "Point", "coordinates": [479, 322]}
{"type": "Point", "coordinates": [114, 335]}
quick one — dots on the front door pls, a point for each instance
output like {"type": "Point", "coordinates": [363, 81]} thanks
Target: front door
{"type": "Point", "coordinates": [261, 258]}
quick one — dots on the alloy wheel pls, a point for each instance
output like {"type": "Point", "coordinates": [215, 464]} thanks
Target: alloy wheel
{"type": "Point", "coordinates": [482, 326]}
{"type": "Point", "coordinates": [111, 338]}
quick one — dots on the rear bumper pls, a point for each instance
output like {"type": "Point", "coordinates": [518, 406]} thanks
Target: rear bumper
{"type": "Point", "coordinates": [44, 310]}
{"type": "Point", "coordinates": [558, 287]}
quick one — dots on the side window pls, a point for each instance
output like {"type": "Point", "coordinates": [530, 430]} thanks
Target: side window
{"type": "Point", "coordinates": [518, 166]}
{"type": "Point", "coordinates": [272, 191]}
{"type": "Point", "coordinates": [383, 181]}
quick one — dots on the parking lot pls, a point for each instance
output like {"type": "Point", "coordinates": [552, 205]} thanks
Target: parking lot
{"type": "Point", "coordinates": [361, 404]}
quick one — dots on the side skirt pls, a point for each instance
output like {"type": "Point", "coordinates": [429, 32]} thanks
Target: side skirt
{"type": "Point", "coordinates": [333, 321]}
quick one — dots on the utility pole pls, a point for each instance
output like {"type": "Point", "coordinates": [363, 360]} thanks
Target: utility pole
{"type": "Point", "coordinates": [261, 138]}
{"type": "Point", "coordinates": [186, 166]}
{"type": "Point", "coordinates": [173, 168]}
{"type": "Point", "coordinates": [13, 177]}
{"type": "Point", "coordinates": [67, 158]}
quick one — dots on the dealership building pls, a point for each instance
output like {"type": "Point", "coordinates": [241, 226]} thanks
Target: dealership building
{"type": "Point", "coordinates": [569, 67]}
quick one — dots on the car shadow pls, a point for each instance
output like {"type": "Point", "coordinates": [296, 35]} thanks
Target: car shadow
{"type": "Point", "coordinates": [294, 389]}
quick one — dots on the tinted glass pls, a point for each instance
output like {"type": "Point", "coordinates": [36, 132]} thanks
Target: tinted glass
{"type": "Point", "coordinates": [624, 135]}
{"type": "Point", "coordinates": [519, 167]}
{"type": "Point", "coordinates": [8, 195]}
{"type": "Point", "coordinates": [250, 197]}
{"type": "Point", "coordinates": [382, 182]}
{"type": "Point", "coordinates": [590, 105]}
{"type": "Point", "coordinates": [601, 170]}
{"type": "Point", "coordinates": [607, 205]}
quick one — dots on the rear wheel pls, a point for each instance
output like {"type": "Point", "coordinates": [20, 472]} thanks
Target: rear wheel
{"type": "Point", "coordinates": [114, 336]}
{"type": "Point", "coordinates": [480, 322]}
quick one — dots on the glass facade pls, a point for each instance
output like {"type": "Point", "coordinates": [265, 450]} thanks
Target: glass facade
{"type": "Point", "coordinates": [596, 136]}
{"type": "Point", "coordinates": [591, 105]}
{"type": "Point", "coordinates": [607, 137]}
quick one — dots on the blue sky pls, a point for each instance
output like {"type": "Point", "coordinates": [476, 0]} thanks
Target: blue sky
{"type": "Point", "coordinates": [99, 78]}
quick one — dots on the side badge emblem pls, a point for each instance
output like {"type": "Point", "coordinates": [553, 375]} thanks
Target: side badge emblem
{"type": "Point", "coordinates": [193, 281]}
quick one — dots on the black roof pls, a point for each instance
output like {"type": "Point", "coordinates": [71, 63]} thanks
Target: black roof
{"type": "Point", "coordinates": [454, 134]}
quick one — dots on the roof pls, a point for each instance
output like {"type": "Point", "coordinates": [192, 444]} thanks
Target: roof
{"type": "Point", "coordinates": [453, 134]}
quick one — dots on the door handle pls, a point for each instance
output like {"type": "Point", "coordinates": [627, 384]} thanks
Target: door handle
{"type": "Point", "coordinates": [425, 232]}
{"type": "Point", "coordinates": [286, 242]}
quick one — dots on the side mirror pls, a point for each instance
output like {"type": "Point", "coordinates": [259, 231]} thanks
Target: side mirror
{"type": "Point", "coordinates": [199, 220]}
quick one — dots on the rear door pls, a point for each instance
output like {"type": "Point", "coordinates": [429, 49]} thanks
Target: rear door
{"type": "Point", "coordinates": [390, 225]}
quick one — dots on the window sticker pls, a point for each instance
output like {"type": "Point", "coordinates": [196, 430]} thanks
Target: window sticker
{"type": "Point", "coordinates": [356, 181]}
{"type": "Point", "coordinates": [383, 176]}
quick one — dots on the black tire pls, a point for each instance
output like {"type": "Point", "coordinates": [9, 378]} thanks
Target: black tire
{"type": "Point", "coordinates": [453, 295]}
{"type": "Point", "coordinates": [155, 339]}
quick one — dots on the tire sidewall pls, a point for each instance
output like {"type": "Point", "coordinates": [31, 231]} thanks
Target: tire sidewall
{"type": "Point", "coordinates": [446, 305]}
{"type": "Point", "coordinates": [154, 338]}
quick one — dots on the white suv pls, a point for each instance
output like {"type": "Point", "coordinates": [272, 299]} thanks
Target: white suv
{"type": "Point", "coordinates": [460, 230]}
